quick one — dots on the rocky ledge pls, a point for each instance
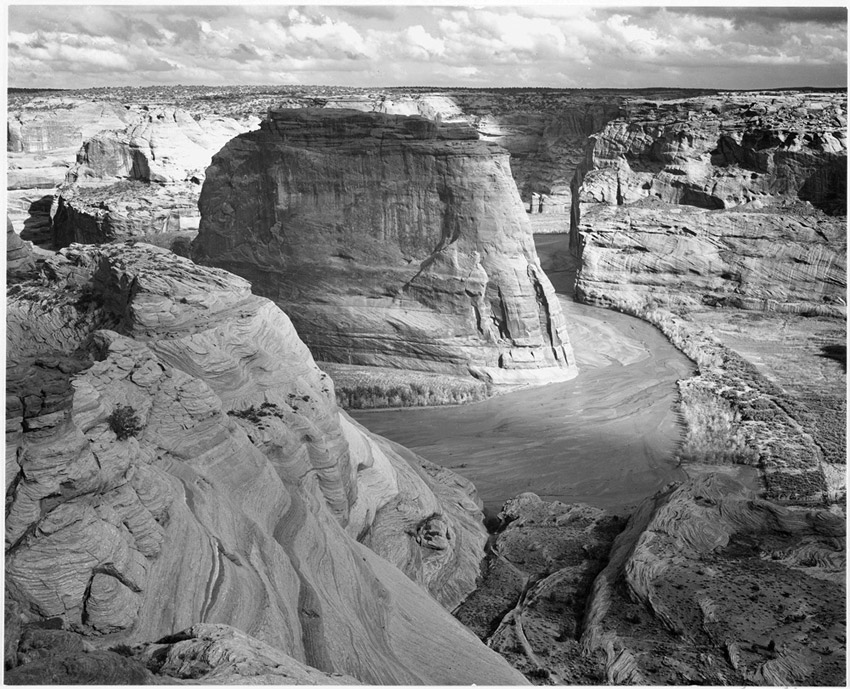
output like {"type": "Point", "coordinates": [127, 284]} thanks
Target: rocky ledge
{"type": "Point", "coordinates": [175, 457]}
{"type": "Point", "coordinates": [705, 584]}
{"type": "Point", "coordinates": [391, 240]}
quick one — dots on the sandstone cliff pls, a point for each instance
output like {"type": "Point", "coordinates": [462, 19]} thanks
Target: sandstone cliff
{"type": "Point", "coordinates": [174, 456]}
{"type": "Point", "coordinates": [392, 241]}
{"type": "Point", "coordinates": [141, 180]}
{"type": "Point", "coordinates": [652, 215]}
{"type": "Point", "coordinates": [678, 256]}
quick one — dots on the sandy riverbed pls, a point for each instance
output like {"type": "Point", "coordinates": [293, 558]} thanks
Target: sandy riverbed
{"type": "Point", "coordinates": [606, 438]}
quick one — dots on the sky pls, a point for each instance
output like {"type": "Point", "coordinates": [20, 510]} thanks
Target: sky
{"type": "Point", "coordinates": [561, 46]}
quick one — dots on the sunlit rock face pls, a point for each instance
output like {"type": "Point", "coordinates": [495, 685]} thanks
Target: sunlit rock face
{"type": "Point", "coordinates": [724, 200]}
{"type": "Point", "coordinates": [175, 457]}
{"type": "Point", "coordinates": [391, 241]}
{"type": "Point", "coordinates": [684, 257]}
{"type": "Point", "coordinates": [141, 180]}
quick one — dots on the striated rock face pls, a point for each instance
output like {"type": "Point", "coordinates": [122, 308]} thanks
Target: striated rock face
{"type": "Point", "coordinates": [392, 241]}
{"type": "Point", "coordinates": [683, 257]}
{"type": "Point", "coordinates": [121, 211]}
{"type": "Point", "coordinates": [651, 215]}
{"type": "Point", "coordinates": [164, 145]}
{"type": "Point", "coordinates": [175, 457]}
{"type": "Point", "coordinates": [721, 151]}
{"type": "Point", "coordinates": [141, 180]}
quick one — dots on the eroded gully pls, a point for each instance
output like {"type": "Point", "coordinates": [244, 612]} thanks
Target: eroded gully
{"type": "Point", "coordinates": [606, 438]}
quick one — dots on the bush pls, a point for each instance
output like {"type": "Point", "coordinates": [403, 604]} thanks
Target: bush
{"type": "Point", "coordinates": [124, 422]}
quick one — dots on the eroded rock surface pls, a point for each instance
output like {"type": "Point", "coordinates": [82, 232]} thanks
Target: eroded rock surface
{"type": "Point", "coordinates": [204, 653]}
{"type": "Point", "coordinates": [391, 240]}
{"type": "Point", "coordinates": [706, 584]}
{"type": "Point", "coordinates": [710, 585]}
{"type": "Point", "coordinates": [531, 600]}
{"type": "Point", "coordinates": [141, 180]}
{"type": "Point", "coordinates": [174, 456]}
{"type": "Point", "coordinates": [683, 258]}
{"type": "Point", "coordinates": [651, 216]}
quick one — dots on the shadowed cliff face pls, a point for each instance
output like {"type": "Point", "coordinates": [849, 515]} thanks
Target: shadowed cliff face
{"type": "Point", "coordinates": [392, 241]}
{"type": "Point", "coordinates": [174, 456]}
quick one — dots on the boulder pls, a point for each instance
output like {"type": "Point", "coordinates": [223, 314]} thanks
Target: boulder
{"type": "Point", "coordinates": [392, 241]}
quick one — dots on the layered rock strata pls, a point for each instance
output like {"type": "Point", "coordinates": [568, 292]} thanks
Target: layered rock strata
{"type": "Point", "coordinates": [789, 260]}
{"type": "Point", "coordinates": [721, 151]}
{"type": "Point", "coordinates": [175, 457]}
{"type": "Point", "coordinates": [141, 180]}
{"type": "Point", "coordinates": [392, 241]}
{"type": "Point", "coordinates": [651, 217]}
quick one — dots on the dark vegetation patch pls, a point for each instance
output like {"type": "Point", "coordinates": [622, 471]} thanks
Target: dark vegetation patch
{"type": "Point", "coordinates": [124, 422]}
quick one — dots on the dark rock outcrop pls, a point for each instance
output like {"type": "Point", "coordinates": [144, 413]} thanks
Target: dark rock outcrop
{"type": "Point", "coordinates": [392, 241]}
{"type": "Point", "coordinates": [19, 254]}
{"type": "Point", "coordinates": [174, 456]}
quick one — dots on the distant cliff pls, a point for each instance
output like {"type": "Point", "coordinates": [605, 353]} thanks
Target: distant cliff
{"type": "Point", "coordinates": [736, 199]}
{"type": "Point", "coordinates": [391, 241]}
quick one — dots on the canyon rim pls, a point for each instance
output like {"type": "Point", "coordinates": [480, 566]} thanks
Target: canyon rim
{"type": "Point", "coordinates": [413, 345]}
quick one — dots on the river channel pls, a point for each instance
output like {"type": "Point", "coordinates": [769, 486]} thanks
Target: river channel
{"type": "Point", "coordinates": [606, 438]}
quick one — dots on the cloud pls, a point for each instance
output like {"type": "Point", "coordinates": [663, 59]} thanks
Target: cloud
{"type": "Point", "coordinates": [769, 17]}
{"type": "Point", "coordinates": [369, 12]}
{"type": "Point", "coordinates": [547, 45]}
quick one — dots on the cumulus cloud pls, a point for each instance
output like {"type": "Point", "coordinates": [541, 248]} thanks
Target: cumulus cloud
{"type": "Point", "coordinates": [548, 45]}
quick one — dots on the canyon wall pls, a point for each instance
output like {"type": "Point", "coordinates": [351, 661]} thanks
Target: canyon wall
{"type": "Point", "coordinates": [392, 241]}
{"type": "Point", "coordinates": [174, 456]}
{"type": "Point", "coordinates": [736, 199]}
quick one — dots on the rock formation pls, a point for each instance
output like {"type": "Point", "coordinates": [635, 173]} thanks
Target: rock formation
{"type": "Point", "coordinates": [774, 157]}
{"type": "Point", "coordinates": [706, 584]}
{"type": "Point", "coordinates": [164, 145]}
{"type": "Point", "coordinates": [710, 585]}
{"type": "Point", "coordinates": [775, 259]}
{"type": "Point", "coordinates": [90, 214]}
{"type": "Point", "coordinates": [175, 457]}
{"type": "Point", "coordinates": [141, 180]}
{"type": "Point", "coordinates": [204, 653]}
{"type": "Point", "coordinates": [392, 241]}
{"type": "Point", "coordinates": [19, 255]}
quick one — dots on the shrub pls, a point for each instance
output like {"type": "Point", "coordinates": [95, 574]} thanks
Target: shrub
{"type": "Point", "coordinates": [124, 422]}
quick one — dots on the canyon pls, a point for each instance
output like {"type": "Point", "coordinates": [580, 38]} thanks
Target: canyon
{"type": "Point", "coordinates": [669, 509]}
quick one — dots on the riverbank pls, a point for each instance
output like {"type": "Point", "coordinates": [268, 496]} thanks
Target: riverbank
{"type": "Point", "coordinates": [607, 438]}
